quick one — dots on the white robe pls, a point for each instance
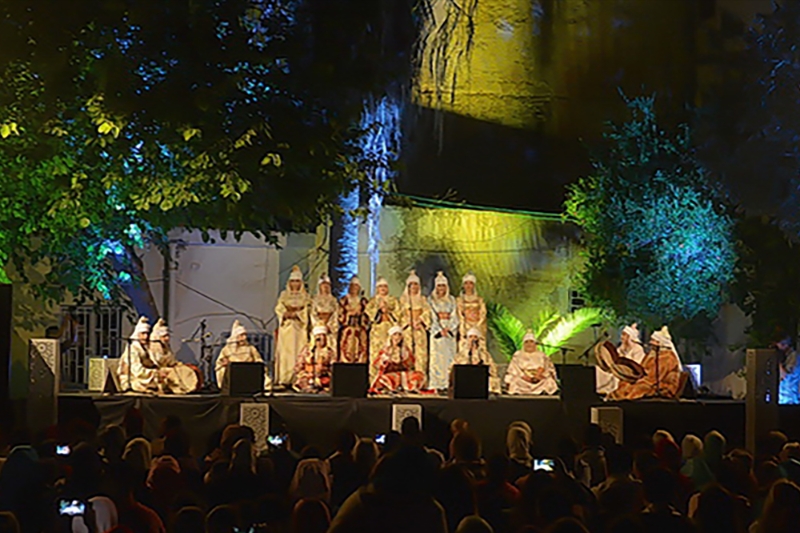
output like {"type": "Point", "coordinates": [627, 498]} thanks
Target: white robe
{"type": "Point", "coordinates": [137, 369]}
{"type": "Point", "coordinates": [443, 348]}
{"type": "Point", "coordinates": [606, 381]}
{"type": "Point", "coordinates": [481, 356]}
{"type": "Point", "coordinates": [233, 353]}
{"type": "Point", "coordinates": [292, 333]}
{"type": "Point", "coordinates": [525, 364]}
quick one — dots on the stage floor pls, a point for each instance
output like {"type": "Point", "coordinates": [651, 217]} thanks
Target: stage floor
{"type": "Point", "coordinates": [316, 419]}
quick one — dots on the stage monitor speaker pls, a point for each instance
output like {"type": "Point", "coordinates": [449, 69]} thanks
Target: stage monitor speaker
{"type": "Point", "coordinates": [470, 382]}
{"type": "Point", "coordinates": [350, 380]}
{"type": "Point", "coordinates": [610, 421]}
{"type": "Point", "coordinates": [577, 384]}
{"type": "Point", "coordinates": [5, 340]}
{"type": "Point", "coordinates": [244, 379]}
{"type": "Point", "coordinates": [761, 403]}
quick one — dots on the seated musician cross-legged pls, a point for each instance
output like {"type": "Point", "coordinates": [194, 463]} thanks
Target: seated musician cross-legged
{"type": "Point", "coordinates": [313, 369]}
{"type": "Point", "coordinates": [238, 350]}
{"type": "Point", "coordinates": [394, 367]}
{"type": "Point", "coordinates": [474, 352]}
{"type": "Point", "coordinates": [530, 370]}
{"type": "Point", "coordinates": [662, 368]}
{"type": "Point", "coordinates": [174, 377]}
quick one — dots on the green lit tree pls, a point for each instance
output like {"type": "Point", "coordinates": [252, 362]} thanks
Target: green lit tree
{"type": "Point", "coordinates": [658, 241]}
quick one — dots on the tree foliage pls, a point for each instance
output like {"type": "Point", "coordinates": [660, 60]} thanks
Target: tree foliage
{"type": "Point", "coordinates": [658, 241]}
{"type": "Point", "coordinates": [120, 121]}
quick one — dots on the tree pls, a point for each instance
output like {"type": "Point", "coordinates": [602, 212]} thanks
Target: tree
{"type": "Point", "coordinates": [657, 238]}
{"type": "Point", "coordinates": [121, 121]}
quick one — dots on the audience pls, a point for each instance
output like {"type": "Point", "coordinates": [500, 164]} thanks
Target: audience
{"type": "Point", "coordinates": [131, 484]}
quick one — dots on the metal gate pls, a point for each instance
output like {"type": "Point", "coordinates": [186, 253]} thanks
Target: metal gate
{"type": "Point", "coordinates": [99, 330]}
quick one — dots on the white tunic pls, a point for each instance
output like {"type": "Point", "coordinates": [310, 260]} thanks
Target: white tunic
{"type": "Point", "coordinates": [137, 370]}
{"type": "Point", "coordinates": [234, 353]}
{"type": "Point", "coordinates": [525, 365]}
{"type": "Point", "coordinates": [292, 312]}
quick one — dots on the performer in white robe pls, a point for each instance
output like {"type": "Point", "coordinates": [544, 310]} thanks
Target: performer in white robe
{"type": "Point", "coordinates": [353, 338]}
{"type": "Point", "coordinates": [629, 347]}
{"type": "Point", "coordinates": [325, 308]}
{"type": "Point", "coordinates": [471, 310]}
{"type": "Point", "coordinates": [292, 332]}
{"type": "Point", "coordinates": [415, 319]}
{"type": "Point", "coordinates": [474, 352]}
{"type": "Point", "coordinates": [313, 370]}
{"type": "Point", "coordinates": [136, 370]}
{"type": "Point", "coordinates": [530, 370]}
{"type": "Point", "coordinates": [662, 366]}
{"type": "Point", "coordinates": [383, 312]}
{"type": "Point", "coordinates": [444, 330]}
{"type": "Point", "coordinates": [174, 377]}
{"type": "Point", "coordinates": [238, 350]}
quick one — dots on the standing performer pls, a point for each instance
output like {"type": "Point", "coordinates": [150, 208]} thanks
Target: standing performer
{"type": "Point", "coordinates": [474, 352]}
{"type": "Point", "coordinates": [444, 329]}
{"type": "Point", "coordinates": [313, 370]}
{"type": "Point", "coordinates": [137, 371]}
{"type": "Point", "coordinates": [415, 319]}
{"type": "Point", "coordinates": [353, 340]}
{"type": "Point", "coordinates": [292, 334]}
{"type": "Point", "coordinates": [325, 308]}
{"type": "Point", "coordinates": [666, 381]}
{"type": "Point", "coordinates": [394, 366]}
{"type": "Point", "coordinates": [530, 370]}
{"type": "Point", "coordinates": [629, 347]}
{"type": "Point", "coordinates": [383, 312]}
{"type": "Point", "coordinates": [238, 350]}
{"type": "Point", "coordinates": [471, 310]}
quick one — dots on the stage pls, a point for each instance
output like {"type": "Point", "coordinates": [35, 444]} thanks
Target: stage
{"type": "Point", "coordinates": [316, 419]}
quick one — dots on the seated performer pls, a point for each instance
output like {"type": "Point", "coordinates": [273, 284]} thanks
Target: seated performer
{"type": "Point", "coordinates": [395, 366]}
{"type": "Point", "coordinates": [173, 377]}
{"type": "Point", "coordinates": [629, 347]}
{"type": "Point", "coordinates": [474, 352]}
{"type": "Point", "coordinates": [663, 383]}
{"type": "Point", "coordinates": [531, 371]}
{"type": "Point", "coordinates": [313, 370]}
{"type": "Point", "coordinates": [238, 350]}
{"type": "Point", "coordinates": [137, 371]}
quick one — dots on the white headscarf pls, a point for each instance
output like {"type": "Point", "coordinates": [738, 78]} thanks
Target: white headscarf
{"type": "Point", "coordinates": [236, 329]}
{"type": "Point", "coordinates": [105, 516]}
{"type": "Point", "coordinates": [468, 277]}
{"type": "Point", "coordinates": [296, 274]}
{"type": "Point", "coordinates": [392, 331]}
{"type": "Point", "coordinates": [142, 326]}
{"type": "Point", "coordinates": [322, 279]}
{"type": "Point", "coordinates": [474, 332]}
{"type": "Point", "coordinates": [633, 332]}
{"type": "Point", "coordinates": [529, 336]}
{"type": "Point", "coordinates": [160, 330]}
{"type": "Point", "coordinates": [381, 281]}
{"type": "Point", "coordinates": [412, 278]}
{"type": "Point", "coordinates": [319, 330]}
{"type": "Point", "coordinates": [441, 279]}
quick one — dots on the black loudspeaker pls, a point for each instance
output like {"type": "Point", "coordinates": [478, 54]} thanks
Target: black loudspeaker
{"type": "Point", "coordinates": [470, 382]}
{"type": "Point", "coordinates": [244, 379]}
{"type": "Point", "coordinates": [577, 383]}
{"type": "Point", "coordinates": [761, 403]}
{"type": "Point", "coordinates": [5, 340]}
{"type": "Point", "coordinates": [350, 380]}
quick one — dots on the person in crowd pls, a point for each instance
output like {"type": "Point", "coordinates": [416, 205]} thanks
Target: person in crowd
{"type": "Point", "coordinates": [23, 488]}
{"type": "Point", "coordinates": [412, 434]}
{"type": "Point", "coordinates": [714, 447]}
{"type": "Point", "coordinates": [353, 337]}
{"type": "Point", "coordinates": [530, 370]}
{"type": "Point", "coordinates": [694, 465]}
{"type": "Point", "coordinates": [238, 350]}
{"type": "Point", "coordinates": [324, 309]}
{"type": "Point", "coordinates": [137, 371]}
{"type": "Point", "coordinates": [343, 469]}
{"type": "Point", "coordinates": [474, 352]}
{"type": "Point", "coordinates": [104, 514]}
{"type": "Point", "coordinates": [444, 332]}
{"type": "Point", "coordinates": [663, 371]}
{"type": "Point", "coordinates": [630, 347]}
{"type": "Point", "coordinates": [455, 492]}
{"type": "Point", "coordinates": [383, 312]}
{"type": "Point", "coordinates": [189, 520]}
{"type": "Point", "coordinates": [781, 510]}
{"type": "Point", "coordinates": [474, 524]}
{"type": "Point", "coordinates": [590, 464]}
{"type": "Point", "coordinates": [313, 370]}
{"type": "Point", "coordinates": [519, 441]}
{"type": "Point", "coordinates": [620, 494]}
{"type": "Point", "coordinates": [415, 319]}
{"type": "Point", "coordinates": [365, 457]}
{"type": "Point", "coordinates": [465, 451]}
{"type": "Point", "coordinates": [495, 496]}
{"type": "Point", "coordinates": [310, 516]}
{"type": "Point", "coordinates": [311, 481]}
{"type": "Point", "coordinates": [292, 334]}
{"type": "Point", "coordinates": [471, 310]}
{"type": "Point", "coordinates": [9, 523]}
{"type": "Point", "coordinates": [719, 511]}
{"type": "Point", "coordinates": [660, 515]}
{"type": "Point", "coordinates": [789, 384]}
{"type": "Point", "coordinates": [396, 368]}
{"type": "Point", "coordinates": [222, 519]}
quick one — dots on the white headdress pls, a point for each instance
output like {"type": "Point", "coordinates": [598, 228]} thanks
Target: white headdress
{"type": "Point", "coordinates": [160, 330]}
{"type": "Point", "coordinates": [474, 332]}
{"type": "Point", "coordinates": [412, 278]}
{"type": "Point", "coordinates": [395, 329]}
{"type": "Point", "coordinates": [296, 274]}
{"type": "Point", "coordinates": [469, 277]}
{"type": "Point", "coordinates": [381, 281]}
{"type": "Point", "coordinates": [529, 336]}
{"type": "Point", "coordinates": [236, 329]}
{"type": "Point", "coordinates": [319, 330]}
{"type": "Point", "coordinates": [142, 326]}
{"type": "Point", "coordinates": [664, 340]}
{"type": "Point", "coordinates": [355, 281]}
{"type": "Point", "coordinates": [441, 280]}
{"type": "Point", "coordinates": [632, 331]}
{"type": "Point", "coordinates": [323, 279]}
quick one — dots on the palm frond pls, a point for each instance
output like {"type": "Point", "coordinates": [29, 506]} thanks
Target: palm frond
{"type": "Point", "coordinates": [507, 329]}
{"type": "Point", "coordinates": [569, 326]}
{"type": "Point", "coordinates": [544, 321]}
